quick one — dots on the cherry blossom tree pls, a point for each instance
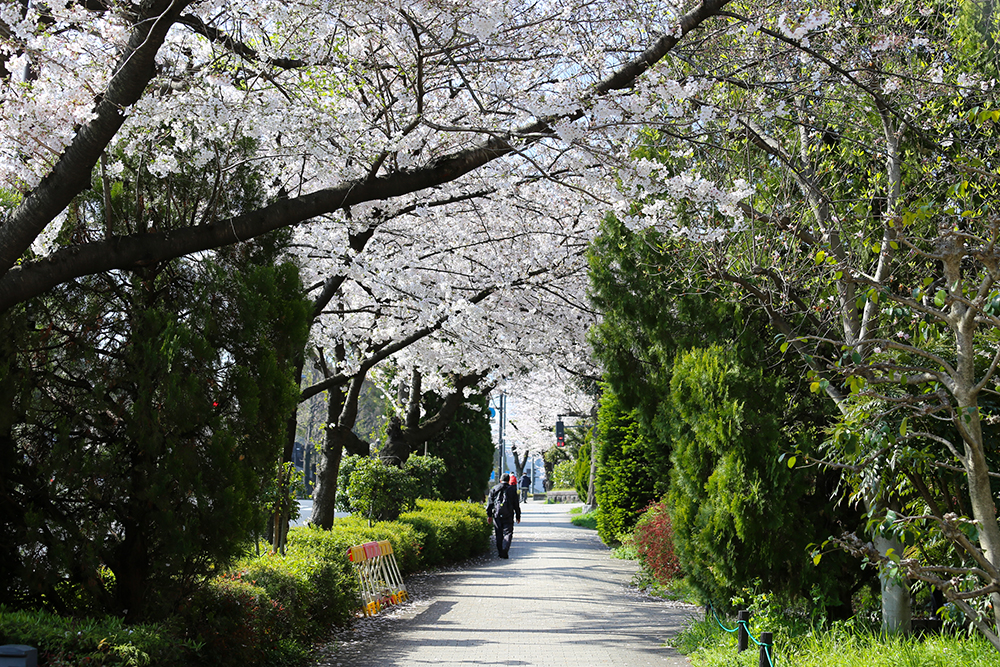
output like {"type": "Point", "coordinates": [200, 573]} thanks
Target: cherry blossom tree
{"type": "Point", "coordinates": [337, 106]}
{"type": "Point", "coordinates": [344, 104]}
{"type": "Point", "coordinates": [461, 303]}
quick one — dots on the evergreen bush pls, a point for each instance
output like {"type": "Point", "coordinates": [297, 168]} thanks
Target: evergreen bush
{"type": "Point", "coordinates": [626, 481]}
{"type": "Point", "coordinates": [105, 641]}
{"type": "Point", "coordinates": [238, 624]}
{"type": "Point", "coordinates": [451, 531]}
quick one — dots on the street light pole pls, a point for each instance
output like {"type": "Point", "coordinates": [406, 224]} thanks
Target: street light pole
{"type": "Point", "coordinates": [502, 415]}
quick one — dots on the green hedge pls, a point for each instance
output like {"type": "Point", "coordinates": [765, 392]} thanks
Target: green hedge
{"type": "Point", "coordinates": [448, 531]}
{"type": "Point", "coordinates": [265, 610]}
{"type": "Point", "coordinates": [88, 641]}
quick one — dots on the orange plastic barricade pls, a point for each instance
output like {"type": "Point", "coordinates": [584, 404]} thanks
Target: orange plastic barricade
{"type": "Point", "coordinates": [381, 583]}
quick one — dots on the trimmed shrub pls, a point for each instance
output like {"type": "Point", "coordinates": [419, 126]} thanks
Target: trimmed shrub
{"type": "Point", "coordinates": [449, 531]}
{"type": "Point", "coordinates": [265, 610]}
{"type": "Point", "coordinates": [239, 624]}
{"type": "Point", "coordinates": [104, 641]}
{"type": "Point", "coordinates": [654, 543]}
{"type": "Point", "coordinates": [350, 531]}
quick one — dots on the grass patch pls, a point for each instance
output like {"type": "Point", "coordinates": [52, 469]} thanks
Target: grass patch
{"type": "Point", "coordinates": [588, 520]}
{"type": "Point", "coordinates": [677, 590]}
{"type": "Point", "coordinates": [576, 510]}
{"type": "Point", "coordinates": [708, 645]}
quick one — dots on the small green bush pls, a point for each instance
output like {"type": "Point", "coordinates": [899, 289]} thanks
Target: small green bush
{"type": "Point", "coordinates": [562, 475]}
{"type": "Point", "coordinates": [379, 491]}
{"type": "Point", "coordinates": [103, 641]}
{"type": "Point", "coordinates": [427, 472]}
{"type": "Point", "coordinates": [450, 531]}
{"type": "Point", "coordinates": [239, 624]}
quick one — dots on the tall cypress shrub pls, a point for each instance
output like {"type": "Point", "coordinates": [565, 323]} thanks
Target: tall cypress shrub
{"type": "Point", "coordinates": [627, 479]}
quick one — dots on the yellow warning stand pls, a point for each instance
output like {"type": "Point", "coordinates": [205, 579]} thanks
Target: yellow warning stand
{"type": "Point", "coordinates": [381, 583]}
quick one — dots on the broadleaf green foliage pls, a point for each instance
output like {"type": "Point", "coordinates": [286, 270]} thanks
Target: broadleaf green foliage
{"type": "Point", "coordinates": [376, 490]}
{"type": "Point", "coordinates": [239, 623]}
{"type": "Point", "coordinates": [626, 478]}
{"type": "Point", "coordinates": [265, 610]}
{"type": "Point", "coordinates": [562, 476]}
{"type": "Point", "coordinates": [428, 473]}
{"type": "Point", "coordinates": [104, 641]}
{"type": "Point", "coordinates": [147, 414]}
{"type": "Point", "coordinates": [466, 447]}
{"type": "Point", "coordinates": [448, 531]}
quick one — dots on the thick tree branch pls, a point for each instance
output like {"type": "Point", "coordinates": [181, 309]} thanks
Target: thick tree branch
{"type": "Point", "coordinates": [72, 174]}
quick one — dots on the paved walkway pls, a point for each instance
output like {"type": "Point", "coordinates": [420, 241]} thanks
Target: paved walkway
{"type": "Point", "coordinates": [564, 601]}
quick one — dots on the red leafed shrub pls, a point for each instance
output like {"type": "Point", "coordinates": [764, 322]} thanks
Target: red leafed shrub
{"type": "Point", "coordinates": [654, 542]}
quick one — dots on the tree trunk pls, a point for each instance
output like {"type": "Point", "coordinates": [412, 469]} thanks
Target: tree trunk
{"type": "Point", "coordinates": [325, 496]}
{"type": "Point", "coordinates": [342, 413]}
{"type": "Point", "coordinates": [403, 439]}
{"type": "Point", "coordinates": [896, 610]}
{"type": "Point", "coordinates": [278, 526]}
{"type": "Point", "coordinates": [397, 446]}
{"type": "Point", "coordinates": [984, 509]}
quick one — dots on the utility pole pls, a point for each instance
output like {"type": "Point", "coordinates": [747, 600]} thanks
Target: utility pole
{"type": "Point", "coordinates": [591, 503]}
{"type": "Point", "coordinates": [501, 418]}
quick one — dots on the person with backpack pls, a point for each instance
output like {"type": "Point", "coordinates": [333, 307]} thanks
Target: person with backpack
{"type": "Point", "coordinates": [503, 510]}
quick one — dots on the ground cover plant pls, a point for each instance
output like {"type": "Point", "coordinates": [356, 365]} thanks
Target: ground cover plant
{"type": "Point", "coordinates": [843, 645]}
{"type": "Point", "coordinates": [588, 520]}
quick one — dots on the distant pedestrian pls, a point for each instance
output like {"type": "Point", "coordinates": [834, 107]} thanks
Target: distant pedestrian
{"type": "Point", "coordinates": [525, 486]}
{"type": "Point", "coordinates": [503, 510]}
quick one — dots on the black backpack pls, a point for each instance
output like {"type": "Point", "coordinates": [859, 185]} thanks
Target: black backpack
{"type": "Point", "coordinates": [501, 507]}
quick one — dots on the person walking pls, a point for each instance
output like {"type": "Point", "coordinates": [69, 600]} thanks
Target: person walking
{"type": "Point", "coordinates": [503, 510]}
{"type": "Point", "coordinates": [525, 486]}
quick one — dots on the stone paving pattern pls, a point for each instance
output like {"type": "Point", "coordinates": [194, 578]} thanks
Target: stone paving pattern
{"type": "Point", "coordinates": [561, 600]}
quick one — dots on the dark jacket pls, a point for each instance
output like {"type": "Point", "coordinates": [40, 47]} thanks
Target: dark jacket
{"type": "Point", "coordinates": [510, 507]}
{"type": "Point", "coordinates": [525, 481]}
